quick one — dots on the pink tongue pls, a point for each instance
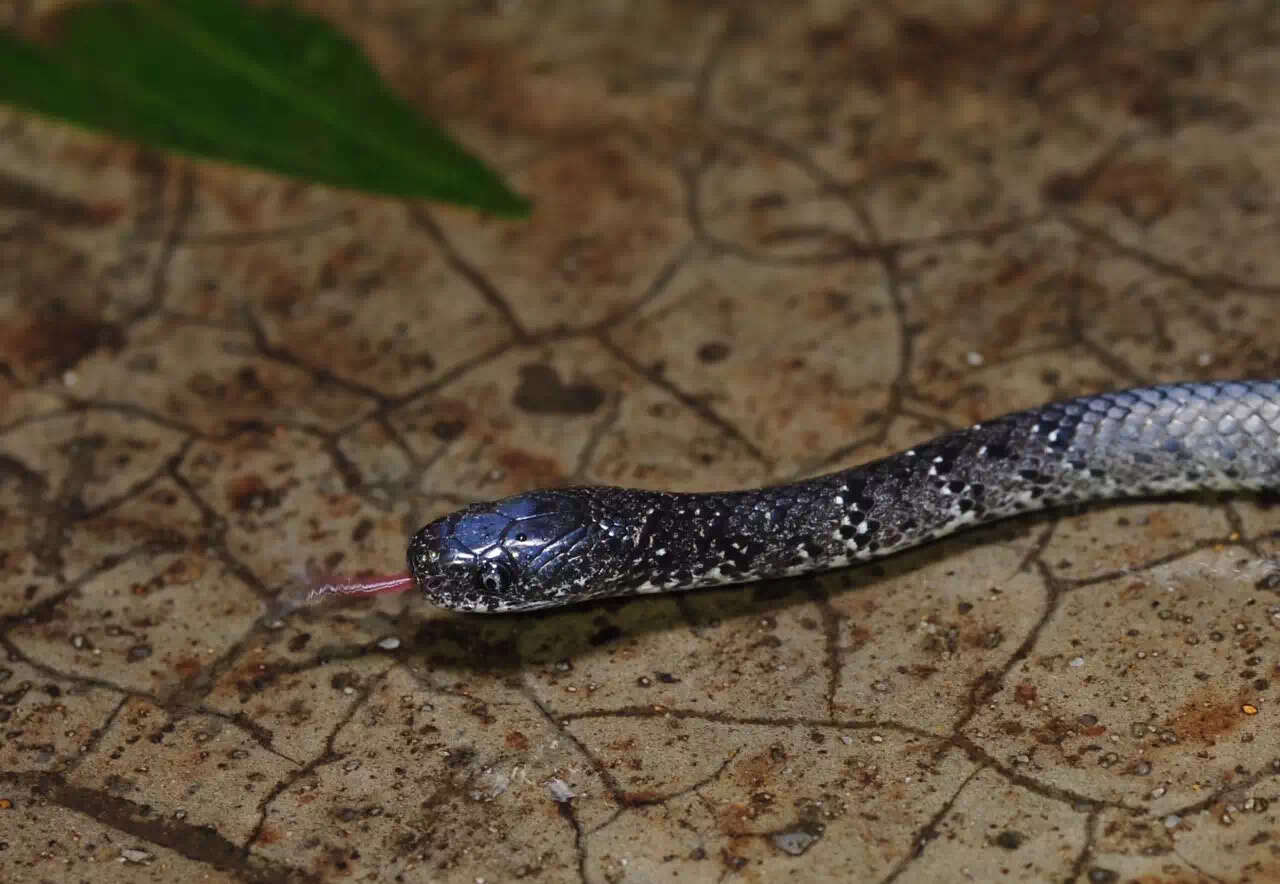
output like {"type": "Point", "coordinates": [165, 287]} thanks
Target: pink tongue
{"type": "Point", "coordinates": [326, 586]}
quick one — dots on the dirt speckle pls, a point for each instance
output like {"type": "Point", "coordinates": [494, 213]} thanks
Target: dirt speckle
{"type": "Point", "coordinates": [541, 391]}
{"type": "Point", "coordinates": [52, 342]}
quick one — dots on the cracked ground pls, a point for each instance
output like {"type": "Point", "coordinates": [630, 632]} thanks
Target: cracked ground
{"type": "Point", "coordinates": [764, 245]}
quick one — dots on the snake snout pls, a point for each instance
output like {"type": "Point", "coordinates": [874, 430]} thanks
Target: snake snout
{"type": "Point", "coordinates": [458, 563]}
{"type": "Point", "coordinates": [439, 563]}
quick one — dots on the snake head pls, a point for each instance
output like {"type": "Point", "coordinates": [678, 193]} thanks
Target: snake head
{"type": "Point", "coordinates": [499, 556]}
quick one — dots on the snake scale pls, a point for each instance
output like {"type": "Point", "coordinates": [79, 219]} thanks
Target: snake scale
{"type": "Point", "coordinates": [561, 546]}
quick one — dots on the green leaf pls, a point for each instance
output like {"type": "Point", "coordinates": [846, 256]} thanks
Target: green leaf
{"type": "Point", "coordinates": [268, 87]}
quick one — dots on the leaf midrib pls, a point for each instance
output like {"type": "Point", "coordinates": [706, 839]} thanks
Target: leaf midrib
{"type": "Point", "coordinates": [248, 67]}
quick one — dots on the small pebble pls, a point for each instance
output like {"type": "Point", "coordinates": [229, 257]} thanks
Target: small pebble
{"type": "Point", "coordinates": [560, 790]}
{"type": "Point", "coordinates": [390, 643]}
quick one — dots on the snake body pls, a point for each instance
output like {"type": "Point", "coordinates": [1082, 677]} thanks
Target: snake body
{"type": "Point", "coordinates": [561, 546]}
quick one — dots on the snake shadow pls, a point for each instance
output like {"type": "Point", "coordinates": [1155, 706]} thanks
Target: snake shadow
{"type": "Point", "coordinates": [508, 643]}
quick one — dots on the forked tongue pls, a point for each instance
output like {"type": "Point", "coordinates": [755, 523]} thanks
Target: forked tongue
{"type": "Point", "coordinates": [317, 588]}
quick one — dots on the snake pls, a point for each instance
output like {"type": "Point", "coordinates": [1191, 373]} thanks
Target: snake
{"type": "Point", "coordinates": [554, 547]}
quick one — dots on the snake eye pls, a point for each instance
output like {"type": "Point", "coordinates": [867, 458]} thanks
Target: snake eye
{"type": "Point", "coordinates": [494, 578]}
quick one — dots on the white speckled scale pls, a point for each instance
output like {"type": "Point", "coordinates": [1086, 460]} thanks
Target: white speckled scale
{"type": "Point", "coordinates": [561, 546]}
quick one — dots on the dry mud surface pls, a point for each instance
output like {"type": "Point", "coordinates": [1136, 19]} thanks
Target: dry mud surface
{"type": "Point", "coordinates": [768, 241]}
